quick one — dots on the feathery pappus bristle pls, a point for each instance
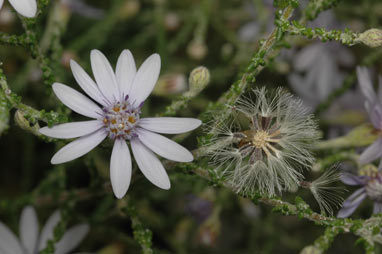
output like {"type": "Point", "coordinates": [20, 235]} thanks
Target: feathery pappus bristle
{"type": "Point", "coordinates": [265, 143]}
{"type": "Point", "coordinates": [326, 196]}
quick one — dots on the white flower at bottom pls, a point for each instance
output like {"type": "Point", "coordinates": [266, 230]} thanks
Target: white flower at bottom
{"type": "Point", "coordinates": [31, 242]}
{"type": "Point", "coordinates": [27, 8]}
{"type": "Point", "coordinates": [121, 95]}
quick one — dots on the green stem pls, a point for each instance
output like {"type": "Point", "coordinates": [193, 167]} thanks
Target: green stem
{"type": "Point", "coordinates": [142, 234]}
{"type": "Point", "coordinates": [31, 114]}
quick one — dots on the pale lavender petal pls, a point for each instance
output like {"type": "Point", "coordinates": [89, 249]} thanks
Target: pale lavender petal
{"type": "Point", "coordinates": [125, 72]}
{"type": "Point", "coordinates": [71, 239]}
{"type": "Point", "coordinates": [145, 79]}
{"type": "Point", "coordinates": [377, 208]}
{"type": "Point", "coordinates": [351, 203]}
{"type": "Point", "coordinates": [72, 130]}
{"type": "Point", "coordinates": [86, 83]}
{"type": "Point", "coordinates": [249, 31]}
{"type": "Point", "coordinates": [350, 179]}
{"type": "Point", "coordinates": [307, 57]}
{"type": "Point", "coordinates": [83, 9]}
{"type": "Point", "coordinates": [120, 168]}
{"type": "Point", "coordinates": [353, 199]}
{"type": "Point", "coordinates": [300, 86]}
{"type": "Point", "coordinates": [326, 77]}
{"type": "Point", "coordinates": [27, 8]}
{"type": "Point", "coordinates": [366, 85]}
{"type": "Point", "coordinates": [150, 165]}
{"type": "Point", "coordinates": [29, 229]}
{"type": "Point", "coordinates": [367, 106]}
{"type": "Point", "coordinates": [169, 125]}
{"type": "Point", "coordinates": [9, 244]}
{"type": "Point", "coordinates": [164, 147]}
{"type": "Point", "coordinates": [346, 211]}
{"type": "Point", "coordinates": [76, 101]}
{"type": "Point", "coordinates": [104, 75]}
{"type": "Point", "coordinates": [373, 152]}
{"type": "Point", "coordinates": [375, 114]}
{"type": "Point", "coordinates": [79, 147]}
{"type": "Point", "coordinates": [48, 229]}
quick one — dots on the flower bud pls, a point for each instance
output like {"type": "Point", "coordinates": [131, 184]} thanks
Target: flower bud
{"type": "Point", "coordinates": [64, 10]}
{"type": "Point", "coordinates": [129, 9]}
{"type": "Point", "coordinates": [371, 38]}
{"type": "Point", "coordinates": [311, 249]}
{"type": "Point", "coordinates": [24, 124]}
{"type": "Point", "coordinates": [199, 78]}
{"type": "Point", "coordinates": [21, 121]}
{"type": "Point", "coordinates": [171, 21]}
{"type": "Point", "coordinates": [67, 55]}
{"type": "Point", "coordinates": [197, 50]}
{"type": "Point", "coordinates": [208, 232]}
{"type": "Point", "coordinates": [7, 17]}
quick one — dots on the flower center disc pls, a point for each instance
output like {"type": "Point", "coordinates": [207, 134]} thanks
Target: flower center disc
{"type": "Point", "coordinates": [120, 120]}
{"type": "Point", "coordinates": [374, 187]}
{"type": "Point", "coordinates": [259, 139]}
{"type": "Point", "coordinates": [262, 139]}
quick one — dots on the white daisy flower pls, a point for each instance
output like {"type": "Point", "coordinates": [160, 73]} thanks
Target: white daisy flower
{"type": "Point", "coordinates": [31, 242]}
{"type": "Point", "coordinates": [27, 8]}
{"type": "Point", "coordinates": [121, 95]}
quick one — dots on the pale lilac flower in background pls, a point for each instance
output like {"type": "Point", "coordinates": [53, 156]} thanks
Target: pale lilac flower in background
{"type": "Point", "coordinates": [121, 96]}
{"type": "Point", "coordinates": [327, 20]}
{"type": "Point", "coordinates": [373, 106]}
{"type": "Point", "coordinates": [83, 9]}
{"type": "Point", "coordinates": [317, 73]}
{"type": "Point", "coordinates": [32, 242]}
{"type": "Point", "coordinates": [370, 181]}
{"type": "Point", "coordinates": [316, 67]}
{"type": "Point", "coordinates": [199, 208]}
{"type": "Point", "coordinates": [27, 8]}
{"type": "Point", "coordinates": [252, 29]}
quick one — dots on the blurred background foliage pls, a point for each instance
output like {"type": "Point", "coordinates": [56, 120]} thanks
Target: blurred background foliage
{"type": "Point", "coordinates": [193, 217]}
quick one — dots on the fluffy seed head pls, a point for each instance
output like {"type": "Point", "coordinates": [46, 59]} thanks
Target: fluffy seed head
{"type": "Point", "coordinates": [266, 142]}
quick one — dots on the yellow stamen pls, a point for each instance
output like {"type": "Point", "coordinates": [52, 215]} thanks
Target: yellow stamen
{"type": "Point", "coordinates": [131, 119]}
